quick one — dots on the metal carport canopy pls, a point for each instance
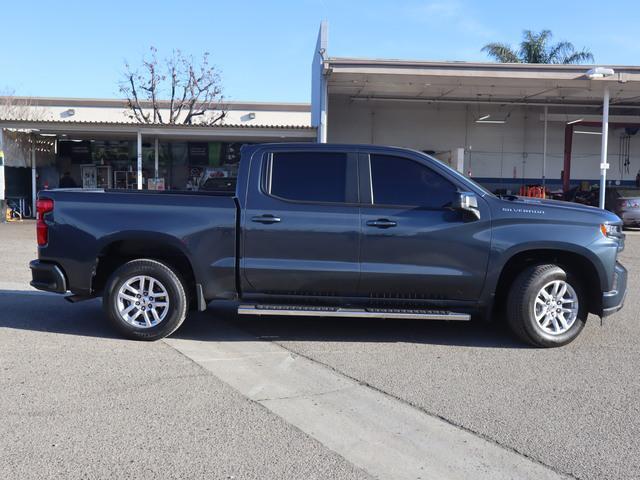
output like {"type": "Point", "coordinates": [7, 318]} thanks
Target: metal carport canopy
{"type": "Point", "coordinates": [496, 83]}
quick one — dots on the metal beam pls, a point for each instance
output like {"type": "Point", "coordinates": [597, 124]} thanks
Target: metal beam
{"type": "Point", "coordinates": [473, 101]}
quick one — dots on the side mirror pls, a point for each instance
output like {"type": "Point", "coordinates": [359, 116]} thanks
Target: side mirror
{"type": "Point", "coordinates": [467, 203]}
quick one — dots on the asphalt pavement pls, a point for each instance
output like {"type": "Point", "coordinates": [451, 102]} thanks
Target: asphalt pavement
{"type": "Point", "coordinates": [79, 403]}
{"type": "Point", "coordinates": [575, 408]}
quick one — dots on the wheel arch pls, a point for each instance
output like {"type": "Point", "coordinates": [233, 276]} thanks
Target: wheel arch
{"type": "Point", "coordinates": [120, 250]}
{"type": "Point", "coordinates": [574, 262]}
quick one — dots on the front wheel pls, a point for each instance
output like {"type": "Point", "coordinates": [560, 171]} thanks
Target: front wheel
{"type": "Point", "coordinates": [145, 300]}
{"type": "Point", "coordinates": [546, 306]}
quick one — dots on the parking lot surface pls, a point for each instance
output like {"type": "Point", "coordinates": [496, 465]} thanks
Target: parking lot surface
{"type": "Point", "coordinates": [78, 402]}
{"type": "Point", "coordinates": [575, 408]}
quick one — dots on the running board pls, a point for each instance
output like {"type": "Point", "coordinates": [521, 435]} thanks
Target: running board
{"type": "Point", "coordinates": [309, 311]}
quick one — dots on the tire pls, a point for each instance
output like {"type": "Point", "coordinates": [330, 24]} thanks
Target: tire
{"type": "Point", "coordinates": [551, 328]}
{"type": "Point", "coordinates": [138, 321]}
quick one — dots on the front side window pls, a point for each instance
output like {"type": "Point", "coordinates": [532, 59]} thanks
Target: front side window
{"type": "Point", "coordinates": [400, 181]}
{"type": "Point", "coordinates": [309, 176]}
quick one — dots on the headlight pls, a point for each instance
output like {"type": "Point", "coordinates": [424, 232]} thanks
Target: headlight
{"type": "Point", "coordinates": [610, 231]}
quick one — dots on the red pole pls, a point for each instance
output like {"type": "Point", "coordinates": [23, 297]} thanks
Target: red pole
{"type": "Point", "coordinates": [568, 142]}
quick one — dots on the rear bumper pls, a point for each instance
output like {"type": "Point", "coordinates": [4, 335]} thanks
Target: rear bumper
{"type": "Point", "coordinates": [47, 276]}
{"type": "Point", "coordinates": [613, 300]}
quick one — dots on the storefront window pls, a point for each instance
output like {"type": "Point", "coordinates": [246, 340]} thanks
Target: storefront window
{"type": "Point", "coordinates": [211, 166]}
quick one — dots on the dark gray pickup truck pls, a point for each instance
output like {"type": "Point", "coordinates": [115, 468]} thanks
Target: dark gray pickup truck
{"type": "Point", "coordinates": [334, 230]}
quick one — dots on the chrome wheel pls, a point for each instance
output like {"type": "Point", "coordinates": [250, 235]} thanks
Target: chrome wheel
{"type": "Point", "coordinates": [142, 301]}
{"type": "Point", "coordinates": [556, 307]}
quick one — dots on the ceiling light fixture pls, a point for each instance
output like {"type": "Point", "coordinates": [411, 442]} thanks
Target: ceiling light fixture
{"type": "Point", "coordinates": [600, 72]}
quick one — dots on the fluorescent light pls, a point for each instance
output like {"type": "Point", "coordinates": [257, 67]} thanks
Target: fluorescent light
{"type": "Point", "coordinates": [483, 117]}
{"type": "Point", "coordinates": [585, 132]}
{"type": "Point", "coordinates": [575, 121]}
{"type": "Point", "coordinates": [47, 134]}
{"type": "Point", "coordinates": [491, 121]}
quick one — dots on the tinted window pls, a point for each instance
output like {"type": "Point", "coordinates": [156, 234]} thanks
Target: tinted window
{"type": "Point", "coordinates": [309, 176]}
{"type": "Point", "coordinates": [400, 181]}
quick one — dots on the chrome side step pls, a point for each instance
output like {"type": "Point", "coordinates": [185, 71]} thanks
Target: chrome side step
{"type": "Point", "coordinates": [312, 311]}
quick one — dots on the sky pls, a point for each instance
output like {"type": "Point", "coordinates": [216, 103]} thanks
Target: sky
{"type": "Point", "coordinates": [264, 48]}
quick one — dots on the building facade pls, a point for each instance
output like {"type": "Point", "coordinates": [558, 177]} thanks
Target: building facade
{"type": "Point", "coordinates": [90, 143]}
{"type": "Point", "coordinates": [505, 125]}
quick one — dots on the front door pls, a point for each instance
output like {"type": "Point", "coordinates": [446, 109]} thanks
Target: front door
{"type": "Point", "coordinates": [413, 246]}
{"type": "Point", "coordinates": [301, 225]}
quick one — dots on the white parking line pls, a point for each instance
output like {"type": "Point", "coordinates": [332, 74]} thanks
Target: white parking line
{"type": "Point", "coordinates": [382, 435]}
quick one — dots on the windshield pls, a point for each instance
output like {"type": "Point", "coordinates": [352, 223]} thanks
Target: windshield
{"type": "Point", "coordinates": [462, 176]}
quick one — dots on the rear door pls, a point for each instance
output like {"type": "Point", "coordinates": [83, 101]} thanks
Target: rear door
{"type": "Point", "coordinates": [413, 245]}
{"type": "Point", "coordinates": [301, 224]}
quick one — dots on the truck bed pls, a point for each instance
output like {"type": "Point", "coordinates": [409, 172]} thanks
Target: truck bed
{"type": "Point", "coordinates": [87, 226]}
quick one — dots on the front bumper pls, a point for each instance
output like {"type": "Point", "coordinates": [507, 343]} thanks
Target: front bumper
{"type": "Point", "coordinates": [47, 276]}
{"type": "Point", "coordinates": [613, 300]}
{"type": "Point", "coordinates": [630, 218]}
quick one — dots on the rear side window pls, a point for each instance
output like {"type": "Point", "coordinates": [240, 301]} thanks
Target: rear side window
{"type": "Point", "coordinates": [400, 181]}
{"type": "Point", "coordinates": [309, 176]}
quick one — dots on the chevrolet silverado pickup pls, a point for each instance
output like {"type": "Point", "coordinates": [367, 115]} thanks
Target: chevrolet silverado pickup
{"type": "Point", "coordinates": [333, 230]}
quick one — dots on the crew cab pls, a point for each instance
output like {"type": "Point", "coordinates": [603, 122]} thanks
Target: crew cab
{"type": "Point", "coordinates": [333, 230]}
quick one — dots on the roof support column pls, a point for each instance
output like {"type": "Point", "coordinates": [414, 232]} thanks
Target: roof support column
{"type": "Point", "coordinates": [155, 171]}
{"type": "Point", "coordinates": [544, 149]}
{"type": "Point", "coordinates": [319, 88]}
{"type": "Point", "coordinates": [604, 164]}
{"type": "Point", "coordinates": [566, 170]}
{"type": "Point", "coordinates": [139, 157]}
{"type": "Point", "coordinates": [34, 193]}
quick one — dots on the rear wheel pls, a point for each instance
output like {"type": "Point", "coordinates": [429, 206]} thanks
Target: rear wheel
{"type": "Point", "coordinates": [145, 300]}
{"type": "Point", "coordinates": [546, 306]}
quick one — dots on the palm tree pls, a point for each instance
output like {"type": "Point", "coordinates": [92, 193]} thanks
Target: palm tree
{"type": "Point", "coordinates": [536, 48]}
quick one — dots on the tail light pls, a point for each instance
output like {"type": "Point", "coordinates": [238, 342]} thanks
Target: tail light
{"type": "Point", "coordinates": [43, 206]}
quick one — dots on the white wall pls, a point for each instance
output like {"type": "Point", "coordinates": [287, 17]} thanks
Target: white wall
{"type": "Point", "coordinates": [491, 150]}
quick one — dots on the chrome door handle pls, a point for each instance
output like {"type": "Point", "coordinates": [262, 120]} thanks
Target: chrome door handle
{"type": "Point", "coordinates": [382, 223]}
{"type": "Point", "coordinates": [265, 219]}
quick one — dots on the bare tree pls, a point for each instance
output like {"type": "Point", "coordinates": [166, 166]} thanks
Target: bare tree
{"type": "Point", "coordinates": [13, 107]}
{"type": "Point", "coordinates": [193, 90]}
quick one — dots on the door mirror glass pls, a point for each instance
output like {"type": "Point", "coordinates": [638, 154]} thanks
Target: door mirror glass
{"type": "Point", "coordinates": [467, 202]}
